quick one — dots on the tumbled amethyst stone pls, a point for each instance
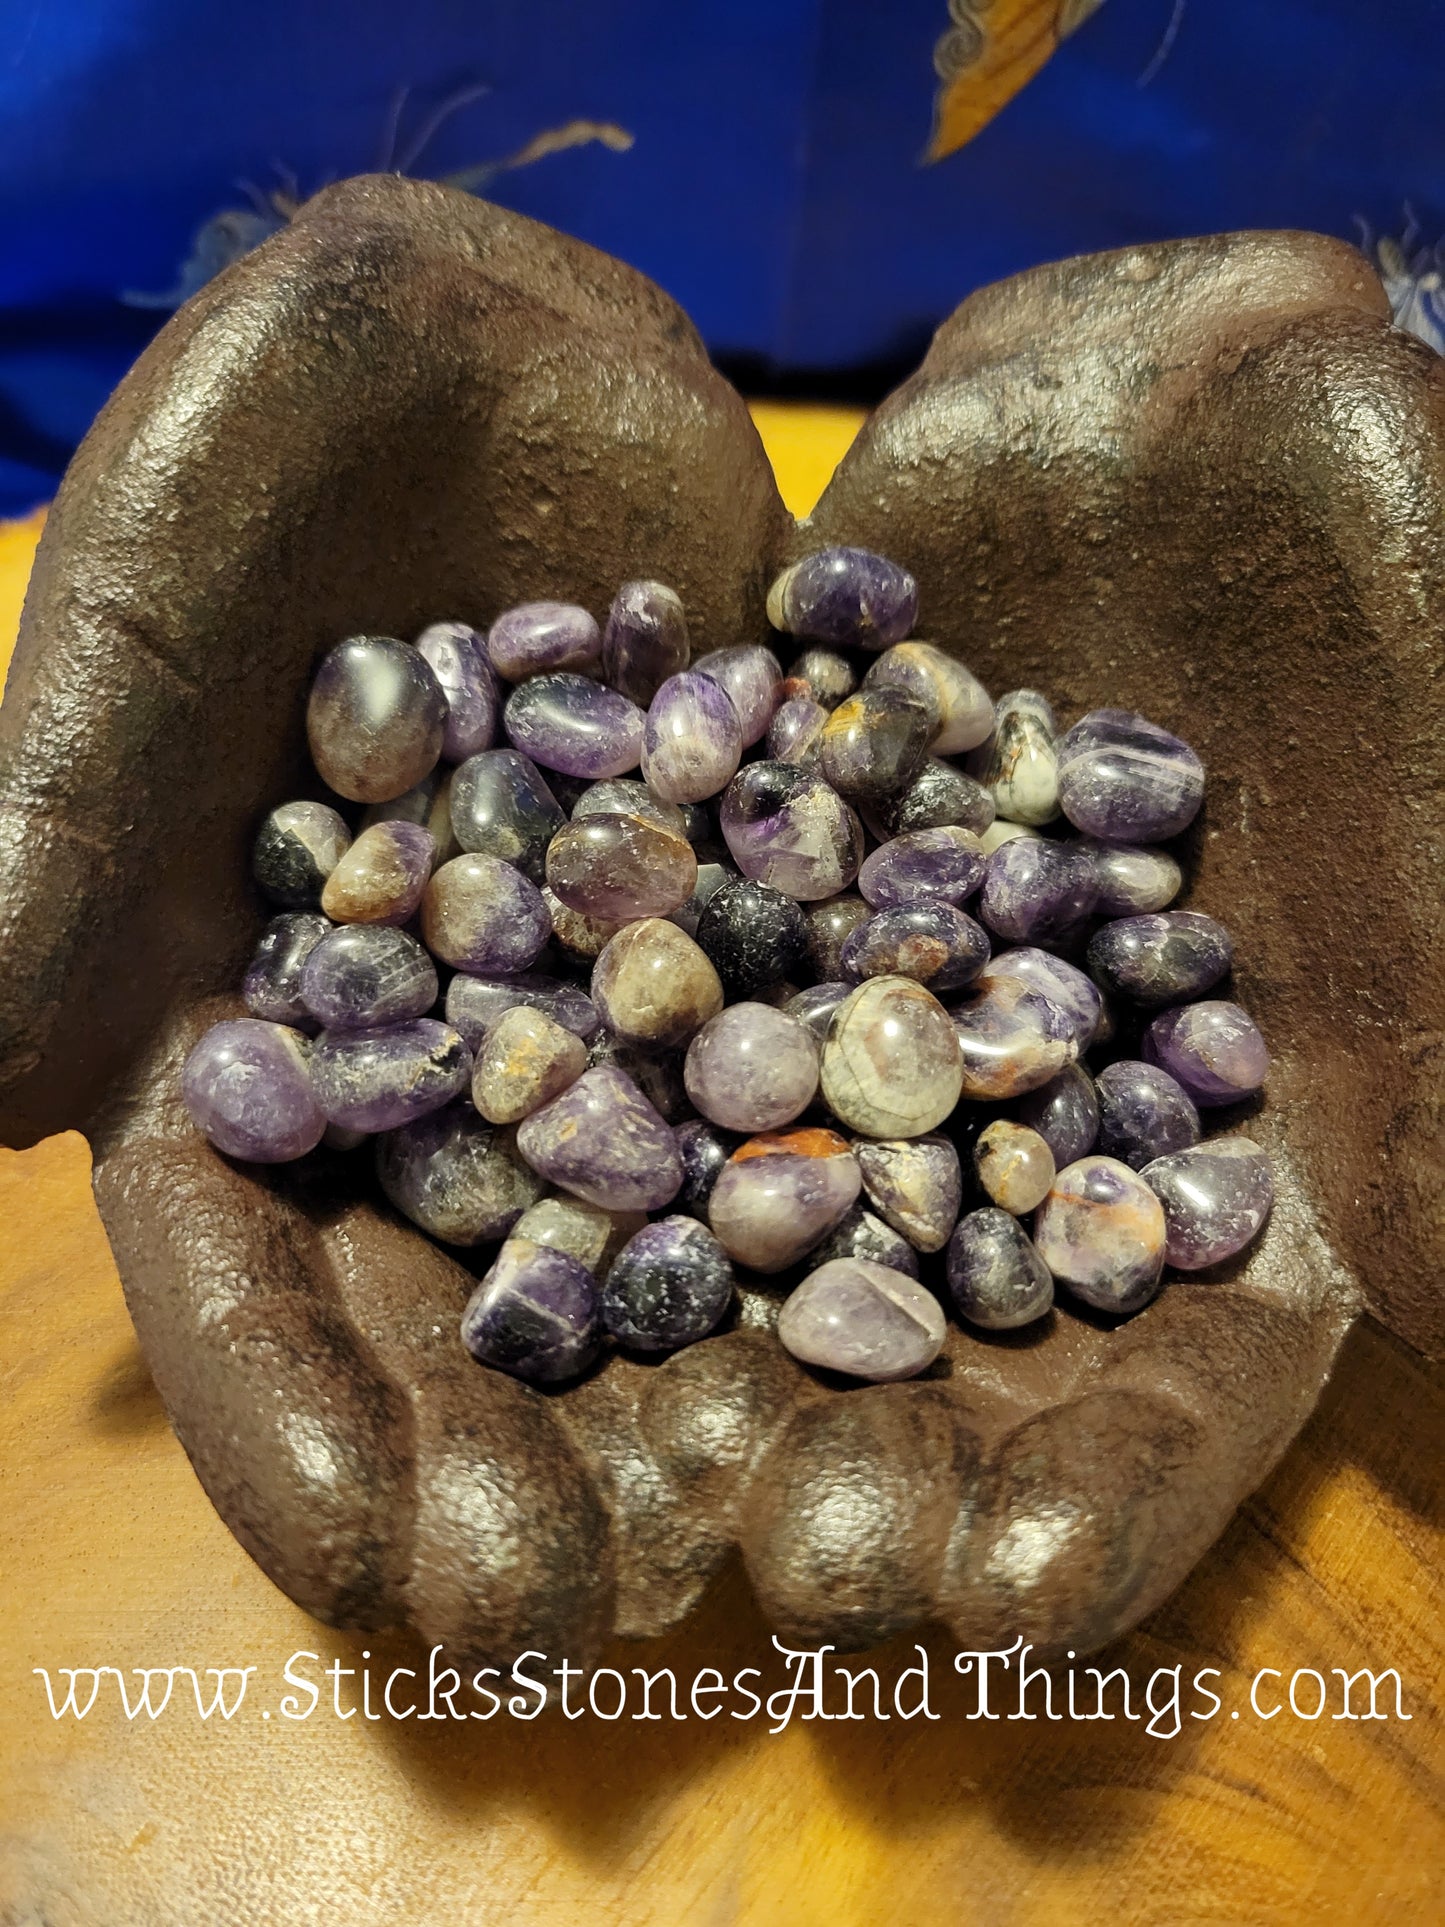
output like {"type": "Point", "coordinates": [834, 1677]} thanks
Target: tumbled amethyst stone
{"type": "Point", "coordinates": [788, 828]}
{"type": "Point", "coordinates": [1061, 984]}
{"type": "Point", "coordinates": [374, 1080]}
{"type": "Point", "coordinates": [367, 974]}
{"type": "Point", "coordinates": [946, 863]}
{"type": "Point", "coordinates": [668, 1286]}
{"type": "Point", "coordinates": [914, 1184]}
{"type": "Point", "coordinates": [938, 796]}
{"type": "Point", "coordinates": [860, 1235]}
{"type": "Point", "coordinates": [272, 986]}
{"type": "Point", "coordinates": [874, 744]}
{"type": "Point", "coordinates": [247, 1085]}
{"type": "Point", "coordinates": [1064, 1112]}
{"type": "Point", "coordinates": [931, 942]}
{"type": "Point", "coordinates": [829, 677]}
{"type": "Point", "coordinates": [1037, 891]}
{"type": "Point", "coordinates": [296, 849]}
{"type": "Point", "coordinates": [794, 731]}
{"type": "Point", "coordinates": [458, 1177]}
{"type": "Point", "coordinates": [1166, 959]}
{"type": "Point", "coordinates": [1126, 780]}
{"type": "Point", "coordinates": [1011, 1038]}
{"type": "Point", "coordinates": [814, 1006]}
{"type": "Point", "coordinates": [501, 806]}
{"type": "Point", "coordinates": [692, 741]}
{"type": "Point", "coordinates": [644, 640]}
{"type": "Point", "coordinates": [575, 725]}
{"type": "Point", "coordinates": [779, 1193]}
{"type": "Point", "coordinates": [848, 596]}
{"type": "Point", "coordinates": [704, 1150]}
{"type": "Point", "coordinates": [1214, 1049]}
{"type": "Point", "coordinates": [996, 1276]}
{"type": "Point", "coordinates": [475, 1003]}
{"type": "Point", "coordinates": [752, 678]}
{"type": "Point", "coordinates": [619, 868]}
{"type": "Point", "coordinates": [1020, 765]}
{"type": "Point", "coordinates": [1143, 1113]}
{"type": "Point", "coordinates": [629, 796]}
{"type": "Point", "coordinates": [541, 638]}
{"type": "Point", "coordinates": [604, 1142]}
{"type": "Point", "coordinates": [959, 707]}
{"type": "Point", "coordinates": [1131, 880]}
{"type": "Point", "coordinates": [830, 924]}
{"type": "Point", "coordinates": [534, 1314]}
{"type": "Point", "coordinates": [382, 876]}
{"type": "Point", "coordinates": [375, 718]}
{"type": "Point", "coordinates": [482, 914]}
{"type": "Point", "coordinates": [752, 1068]}
{"type": "Point", "coordinates": [863, 1319]}
{"type": "Point", "coordinates": [1215, 1198]}
{"type": "Point", "coordinates": [458, 659]}
{"type": "Point", "coordinates": [1101, 1232]}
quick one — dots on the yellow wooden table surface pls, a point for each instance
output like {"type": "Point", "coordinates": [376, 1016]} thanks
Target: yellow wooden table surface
{"type": "Point", "coordinates": [112, 1557]}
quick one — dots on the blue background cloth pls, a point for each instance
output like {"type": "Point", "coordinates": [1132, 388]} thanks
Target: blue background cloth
{"type": "Point", "coordinates": [774, 186]}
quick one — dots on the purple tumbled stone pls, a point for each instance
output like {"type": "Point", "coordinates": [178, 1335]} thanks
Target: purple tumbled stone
{"type": "Point", "coordinates": [1063, 985]}
{"type": "Point", "coordinates": [863, 1319]}
{"type": "Point", "coordinates": [534, 1314]}
{"type": "Point", "coordinates": [959, 708]}
{"type": "Point", "coordinates": [629, 796]}
{"type": "Point", "coordinates": [455, 1175]}
{"type": "Point", "coordinates": [1131, 880]}
{"type": "Point", "coordinates": [572, 724]}
{"type": "Point", "coordinates": [814, 1006]}
{"type": "Point", "coordinates": [779, 1193]}
{"type": "Point", "coordinates": [829, 925]}
{"type": "Point", "coordinates": [367, 974]}
{"type": "Point", "coordinates": [645, 639]}
{"type": "Point", "coordinates": [1214, 1049]}
{"type": "Point", "coordinates": [668, 1286]}
{"type": "Point", "coordinates": [1101, 1232]}
{"type": "Point", "coordinates": [996, 1276]}
{"type": "Point", "coordinates": [475, 1003]}
{"type": "Point", "coordinates": [296, 849]}
{"type": "Point", "coordinates": [787, 828]}
{"type": "Point", "coordinates": [1123, 778]}
{"type": "Point", "coordinates": [752, 1068]}
{"type": "Point", "coordinates": [615, 869]}
{"type": "Point", "coordinates": [272, 986]}
{"type": "Point", "coordinates": [382, 876]}
{"type": "Point", "coordinates": [692, 741]}
{"type": "Point", "coordinates": [931, 942]}
{"type": "Point", "coordinates": [374, 1080]}
{"type": "Point", "coordinates": [874, 744]}
{"type": "Point", "coordinates": [458, 659]}
{"type": "Point", "coordinates": [794, 731]}
{"type": "Point", "coordinates": [753, 679]}
{"type": "Point", "coordinates": [375, 718]}
{"type": "Point", "coordinates": [915, 1184]}
{"type": "Point", "coordinates": [1166, 959]}
{"type": "Point", "coordinates": [502, 806]}
{"type": "Point", "coordinates": [603, 1141]}
{"type": "Point", "coordinates": [939, 797]}
{"type": "Point", "coordinates": [704, 1151]}
{"type": "Point", "coordinates": [541, 638]}
{"type": "Point", "coordinates": [1036, 891]}
{"type": "Point", "coordinates": [1011, 1038]}
{"type": "Point", "coordinates": [848, 596]}
{"type": "Point", "coordinates": [1064, 1112]}
{"type": "Point", "coordinates": [1143, 1113]}
{"type": "Point", "coordinates": [482, 914]}
{"type": "Point", "coordinates": [1215, 1198]}
{"type": "Point", "coordinates": [248, 1086]}
{"type": "Point", "coordinates": [946, 863]}
{"type": "Point", "coordinates": [858, 1234]}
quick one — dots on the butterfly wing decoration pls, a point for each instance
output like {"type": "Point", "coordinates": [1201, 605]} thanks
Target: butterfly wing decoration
{"type": "Point", "coordinates": [992, 49]}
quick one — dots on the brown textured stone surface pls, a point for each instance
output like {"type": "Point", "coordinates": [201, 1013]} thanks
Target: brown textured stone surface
{"type": "Point", "coordinates": [1204, 478]}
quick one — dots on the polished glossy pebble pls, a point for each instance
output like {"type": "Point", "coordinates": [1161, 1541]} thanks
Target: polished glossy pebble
{"type": "Point", "coordinates": [1022, 770]}
{"type": "Point", "coordinates": [1216, 1196]}
{"type": "Point", "coordinates": [1001, 831]}
{"type": "Point", "coordinates": [502, 806]}
{"type": "Point", "coordinates": [860, 1235]}
{"type": "Point", "coordinates": [1101, 1232]}
{"type": "Point", "coordinates": [1062, 985]}
{"type": "Point", "coordinates": [603, 1141]}
{"type": "Point", "coordinates": [814, 1006]}
{"type": "Point", "coordinates": [752, 678]}
{"type": "Point", "coordinates": [997, 1278]}
{"type": "Point", "coordinates": [752, 1068]}
{"type": "Point", "coordinates": [829, 676]}
{"type": "Point", "coordinates": [1124, 779]}
{"type": "Point", "coordinates": [616, 868]}
{"type": "Point", "coordinates": [915, 1185]}
{"type": "Point", "coordinates": [1143, 1113]}
{"type": "Point", "coordinates": [848, 596]}
{"type": "Point", "coordinates": [382, 876]}
{"type": "Point", "coordinates": [788, 828]}
{"type": "Point", "coordinates": [891, 1064]}
{"type": "Point", "coordinates": [1165, 959]}
{"type": "Point", "coordinates": [829, 925]}
{"type": "Point", "coordinates": [1131, 880]}
{"type": "Point", "coordinates": [669, 1287]}
{"type": "Point", "coordinates": [296, 849]}
{"type": "Point", "coordinates": [652, 985]}
{"type": "Point", "coordinates": [248, 1086]}
{"type": "Point", "coordinates": [933, 943]}
{"type": "Point", "coordinates": [777, 1195]}
{"type": "Point", "coordinates": [429, 805]}
{"type": "Point", "coordinates": [575, 725]}
{"type": "Point", "coordinates": [375, 718]}
{"type": "Point", "coordinates": [533, 1315]}
{"type": "Point", "coordinates": [629, 796]}
{"type": "Point", "coordinates": [873, 745]}
{"type": "Point", "coordinates": [704, 1150]}
{"type": "Point", "coordinates": [272, 986]}
{"type": "Point", "coordinates": [1214, 1049]}
{"type": "Point", "coordinates": [692, 740]}
{"type": "Point", "coordinates": [584, 1231]}
{"type": "Point", "coordinates": [1014, 1164]}
{"type": "Point", "coordinates": [585, 937]}
{"type": "Point", "coordinates": [644, 640]}
{"type": "Point", "coordinates": [1011, 1039]}
{"type": "Point", "coordinates": [794, 731]}
{"type": "Point", "coordinates": [457, 657]}
{"type": "Point", "coordinates": [481, 914]}
{"type": "Point", "coordinates": [1036, 891]}
{"type": "Point", "coordinates": [710, 879]}
{"type": "Point", "coordinates": [1064, 1112]}
{"type": "Point", "coordinates": [939, 797]}
{"type": "Point", "coordinates": [543, 638]}
{"type": "Point", "coordinates": [753, 934]}
{"type": "Point", "coordinates": [526, 1061]}
{"type": "Point", "coordinates": [863, 1319]}
{"type": "Point", "coordinates": [946, 863]}
{"type": "Point", "coordinates": [474, 1004]}
{"type": "Point", "coordinates": [374, 1080]}
{"type": "Point", "coordinates": [454, 1175]}
{"type": "Point", "coordinates": [366, 974]}
{"type": "Point", "coordinates": [959, 705]}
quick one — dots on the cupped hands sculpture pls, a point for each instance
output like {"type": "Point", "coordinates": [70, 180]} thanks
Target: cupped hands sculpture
{"type": "Point", "coordinates": [1204, 479]}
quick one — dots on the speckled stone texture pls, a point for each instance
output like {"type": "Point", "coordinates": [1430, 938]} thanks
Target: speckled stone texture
{"type": "Point", "coordinates": [1191, 431]}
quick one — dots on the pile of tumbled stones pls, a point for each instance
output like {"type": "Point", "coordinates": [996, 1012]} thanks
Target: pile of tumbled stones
{"type": "Point", "coordinates": [638, 1029]}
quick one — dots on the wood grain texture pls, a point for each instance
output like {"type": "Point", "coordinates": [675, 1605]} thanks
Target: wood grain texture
{"type": "Point", "coordinates": [112, 1556]}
